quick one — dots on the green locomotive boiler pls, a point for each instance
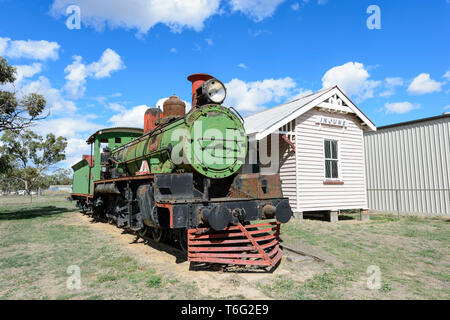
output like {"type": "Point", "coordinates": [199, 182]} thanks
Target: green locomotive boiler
{"type": "Point", "coordinates": [181, 178]}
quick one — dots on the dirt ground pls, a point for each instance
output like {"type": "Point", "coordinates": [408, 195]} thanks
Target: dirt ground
{"type": "Point", "coordinates": [211, 283]}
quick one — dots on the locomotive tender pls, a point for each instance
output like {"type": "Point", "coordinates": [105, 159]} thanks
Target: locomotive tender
{"type": "Point", "coordinates": [181, 177]}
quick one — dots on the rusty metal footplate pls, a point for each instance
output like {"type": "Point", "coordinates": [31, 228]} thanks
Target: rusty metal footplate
{"type": "Point", "coordinates": [253, 244]}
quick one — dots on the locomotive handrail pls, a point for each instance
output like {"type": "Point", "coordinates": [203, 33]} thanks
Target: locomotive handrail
{"type": "Point", "coordinates": [237, 113]}
{"type": "Point", "coordinates": [146, 134]}
{"type": "Point", "coordinates": [167, 149]}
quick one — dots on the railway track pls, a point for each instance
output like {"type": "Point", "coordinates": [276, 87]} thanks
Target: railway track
{"type": "Point", "coordinates": [295, 252]}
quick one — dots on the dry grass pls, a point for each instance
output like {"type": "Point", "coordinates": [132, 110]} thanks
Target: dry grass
{"type": "Point", "coordinates": [412, 253]}
{"type": "Point", "coordinates": [59, 198]}
{"type": "Point", "coordinates": [39, 241]}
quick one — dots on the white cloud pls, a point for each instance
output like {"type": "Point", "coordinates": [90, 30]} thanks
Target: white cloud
{"type": "Point", "coordinates": [160, 103]}
{"type": "Point", "coordinates": [173, 50]}
{"type": "Point", "coordinates": [300, 93]}
{"type": "Point", "coordinates": [78, 72]}
{"type": "Point", "coordinates": [3, 45]}
{"type": "Point", "coordinates": [390, 84]}
{"type": "Point", "coordinates": [251, 96]}
{"type": "Point", "coordinates": [142, 14]}
{"type": "Point", "coordinates": [76, 130]}
{"type": "Point", "coordinates": [76, 78]}
{"type": "Point", "coordinates": [116, 106]}
{"type": "Point", "coordinates": [424, 84]}
{"type": "Point", "coordinates": [447, 107]}
{"type": "Point", "coordinates": [30, 49]}
{"type": "Point", "coordinates": [134, 117]}
{"type": "Point", "coordinates": [76, 147]}
{"type": "Point", "coordinates": [108, 63]}
{"type": "Point", "coordinates": [353, 79]}
{"type": "Point", "coordinates": [295, 6]}
{"type": "Point", "coordinates": [399, 107]}
{"type": "Point", "coordinates": [350, 77]}
{"type": "Point", "coordinates": [209, 41]}
{"type": "Point", "coordinates": [243, 66]}
{"type": "Point", "coordinates": [55, 102]}
{"type": "Point", "coordinates": [259, 32]}
{"type": "Point", "coordinates": [447, 75]}
{"type": "Point", "coordinates": [256, 9]}
{"type": "Point", "coordinates": [130, 118]}
{"type": "Point", "coordinates": [102, 99]}
{"type": "Point", "coordinates": [27, 71]}
{"type": "Point", "coordinates": [23, 72]}
{"type": "Point", "coordinates": [68, 127]}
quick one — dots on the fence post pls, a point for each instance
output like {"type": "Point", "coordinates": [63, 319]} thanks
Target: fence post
{"type": "Point", "coordinates": [398, 205]}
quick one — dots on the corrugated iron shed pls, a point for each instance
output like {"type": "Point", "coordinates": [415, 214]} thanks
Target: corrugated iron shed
{"type": "Point", "coordinates": [408, 167]}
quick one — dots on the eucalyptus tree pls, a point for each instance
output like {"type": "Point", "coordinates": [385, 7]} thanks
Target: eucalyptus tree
{"type": "Point", "coordinates": [17, 113]}
{"type": "Point", "coordinates": [28, 156]}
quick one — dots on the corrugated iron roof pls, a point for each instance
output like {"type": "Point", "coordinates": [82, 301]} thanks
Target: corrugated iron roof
{"type": "Point", "coordinates": [265, 119]}
{"type": "Point", "coordinates": [406, 123]}
{"type": "Point", "coordinates": [113, 130]}
{"type": "Point", "coordinates": [265, 122]}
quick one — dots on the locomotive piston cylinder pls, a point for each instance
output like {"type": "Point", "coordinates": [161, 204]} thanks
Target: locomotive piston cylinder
{"type": "Point", "coordinates": [107, 188]}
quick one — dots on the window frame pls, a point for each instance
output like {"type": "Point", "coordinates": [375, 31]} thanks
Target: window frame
{"type": "Point", "coordinates": [339, 172]}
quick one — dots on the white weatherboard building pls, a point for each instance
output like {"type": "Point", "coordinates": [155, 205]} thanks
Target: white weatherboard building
{"type": "Point", "coordinates": [321, 150]}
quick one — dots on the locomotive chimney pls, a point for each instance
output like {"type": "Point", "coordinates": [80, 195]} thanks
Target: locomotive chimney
{"type": "Point", "coordinates": [197, 80]}
{"type": "Point", "coordinates": [152, 115]}
{"type": "Point", "coordinates": [174, 107]}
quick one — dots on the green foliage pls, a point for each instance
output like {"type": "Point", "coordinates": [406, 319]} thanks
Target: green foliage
{"type": "Point", "coordinates": [27, 156]}
{"type": "Point", "coordinates": [7, 72]}
{"type": "Point", "coordinates": [60, 177]}
{"type": "Point", "coordinates": [17, 114]}
{"type": "Point", "coordinates": [34, 103]}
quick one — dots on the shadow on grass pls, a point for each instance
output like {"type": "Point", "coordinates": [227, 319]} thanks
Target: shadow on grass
{"type": "Point", "coordinates": [30, 213]}
{"type": "Point", "coordinates": [323, 216]}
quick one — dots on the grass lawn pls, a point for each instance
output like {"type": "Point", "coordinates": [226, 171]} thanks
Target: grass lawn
{"type": "Point", "coordinates": [38, 242]}
{"type": "Point", "coordinates": [413, 255]}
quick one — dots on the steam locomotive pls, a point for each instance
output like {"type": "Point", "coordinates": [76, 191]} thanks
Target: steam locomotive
{"type": "Point", "coordinates": [181, 177]}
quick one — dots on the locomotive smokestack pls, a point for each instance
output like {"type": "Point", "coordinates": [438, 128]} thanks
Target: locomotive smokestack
{"type": "Point", "coordinates": [197, 80]}
{"type": "Point", "coordinates": [152, 115]}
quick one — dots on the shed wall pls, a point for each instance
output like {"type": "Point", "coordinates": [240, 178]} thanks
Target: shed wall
{"type": "Point", "coordinates": [408, 168]}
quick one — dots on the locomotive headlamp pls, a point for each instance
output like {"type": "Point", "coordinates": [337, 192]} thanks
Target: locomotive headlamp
{"type": "Point", "coordinates": [214, 91]}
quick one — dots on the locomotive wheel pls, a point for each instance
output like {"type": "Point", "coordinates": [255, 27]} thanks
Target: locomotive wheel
{"type": "Point", "coordinates": [143, 232]}
{"type": "Point", "coordinates": [159, 235]}
{"type": "Point", "coordinates": [182, 239]}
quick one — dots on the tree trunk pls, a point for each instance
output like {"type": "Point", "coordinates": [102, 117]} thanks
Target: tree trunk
{"type": "Point", "coordinates": [28, 191]}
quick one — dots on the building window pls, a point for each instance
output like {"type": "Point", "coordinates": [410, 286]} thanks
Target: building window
{"type": "Point", "coordinates": [331, 159]}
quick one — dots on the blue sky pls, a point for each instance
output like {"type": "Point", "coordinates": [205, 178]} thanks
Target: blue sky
{"type": "Point", "coordinates": [130, 55]}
